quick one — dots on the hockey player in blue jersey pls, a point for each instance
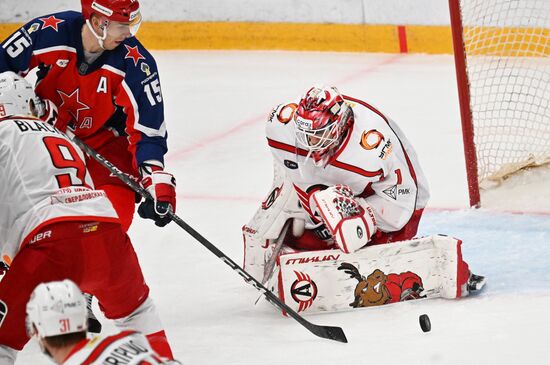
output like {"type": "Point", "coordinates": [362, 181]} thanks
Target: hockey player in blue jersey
{"type": "Point", "coordinates": [97, 79]}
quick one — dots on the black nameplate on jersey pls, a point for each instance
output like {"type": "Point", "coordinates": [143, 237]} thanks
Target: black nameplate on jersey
{"type": "Point", "coordinates": [291, 164]}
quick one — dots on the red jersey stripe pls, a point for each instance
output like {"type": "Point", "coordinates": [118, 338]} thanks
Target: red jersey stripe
{"type": "Point", "coordinates": [374, 110]}
{"type": "Point", "coordinates": [357, 170]}
{"type": "Point", "coordinates": [286, 147]}
{"type": "Point", "coordinates": [103, 346]}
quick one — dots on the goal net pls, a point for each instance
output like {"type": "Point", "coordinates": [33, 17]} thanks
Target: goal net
{"type": "Point", "coordinates": [502, 50]}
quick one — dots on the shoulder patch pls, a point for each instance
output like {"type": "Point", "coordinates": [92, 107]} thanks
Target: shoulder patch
{"type": "Point", "coordinates": [133, 54]}
{"type": "Point", "coordinates": [371, 140]}
{"type": "Point", "coordinates": [33, 28]}
{"type": "Point", "coordinates": [286, 112]}
{"type": "Point", "coordinates": [51, 22]}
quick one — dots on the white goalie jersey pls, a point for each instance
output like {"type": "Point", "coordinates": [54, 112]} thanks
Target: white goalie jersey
{"type": "Point", "coordinates": [43, 180]}
{"type": "Point", "coordinates": [375, 160]}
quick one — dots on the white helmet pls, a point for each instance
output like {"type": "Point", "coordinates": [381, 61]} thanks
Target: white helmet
{"type": "Point", "coordinates": [56, 308]}
{"type": "Point", "coordinates": [17, 96]}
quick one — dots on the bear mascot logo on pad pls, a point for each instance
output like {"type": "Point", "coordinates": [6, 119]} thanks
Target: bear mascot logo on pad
{"type": "Point", "coordinates": [379, 288]}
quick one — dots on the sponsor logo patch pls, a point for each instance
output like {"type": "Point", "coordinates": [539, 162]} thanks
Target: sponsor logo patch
{"type": "Point", "coordinates": [146, 69]}
{"type": "Point", "coordinates": [287, 113]}
{"type": "Point", "coordinates": [371, 140]}
{"type": "Point", "coordinates": [62, 63]}
{"type": "Point", "coordinates": [291, 164]}
{"type": "Point", "coordinates": [33, 28]}
{"type": "Point", "coordinates": [391, 192]}
{"type": "Point", "coordinates": [386, 150]}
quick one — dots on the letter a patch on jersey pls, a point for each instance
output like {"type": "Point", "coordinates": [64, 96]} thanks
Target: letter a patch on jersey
{"type": "Point", "coordinates": [102, 86]}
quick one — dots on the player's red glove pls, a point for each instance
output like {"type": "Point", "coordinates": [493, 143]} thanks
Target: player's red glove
{"type": "Point", "coordinates": [162, 186]}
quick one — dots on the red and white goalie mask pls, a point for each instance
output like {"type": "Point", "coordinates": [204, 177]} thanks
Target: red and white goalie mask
{"type": "Point", "coordinates": [120, 18]}
{"type": "Point", "coordinates": [322, 119]}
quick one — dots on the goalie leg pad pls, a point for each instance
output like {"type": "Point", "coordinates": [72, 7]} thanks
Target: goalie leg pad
{"type": "Point", "coordinates": [330, 281]}
{"type": "Point", "coordinates": [267, 223]}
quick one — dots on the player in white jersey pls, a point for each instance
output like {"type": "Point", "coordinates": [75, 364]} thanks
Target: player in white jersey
{"type": "Point", "coordinates": [345, 177]}
{"type": "Point", "coordinates": [61, 334]}
{"type": "Point", "coordinates": [54, 225]}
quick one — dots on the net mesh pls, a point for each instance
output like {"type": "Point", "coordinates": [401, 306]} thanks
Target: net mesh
{"type": "Point", "coordinates": [507, 46]}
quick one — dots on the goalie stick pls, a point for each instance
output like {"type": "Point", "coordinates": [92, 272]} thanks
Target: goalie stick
{"type": "Point", "coordinates": [270, 265]}
{"type": "Point", "coordinates": [328, 332]}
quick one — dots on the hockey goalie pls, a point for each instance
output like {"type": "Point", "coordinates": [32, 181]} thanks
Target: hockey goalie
{"type": "Point", "coordinates": [337, 230]}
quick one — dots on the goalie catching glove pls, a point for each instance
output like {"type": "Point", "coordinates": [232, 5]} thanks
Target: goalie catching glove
{"type": "Point", "coordinates": [162, 187]}
{"type": "Point", "coordinates": [350, 220]}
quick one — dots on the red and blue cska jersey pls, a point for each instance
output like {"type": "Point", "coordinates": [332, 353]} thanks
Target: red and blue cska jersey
{"type": "Point", "coordinates": [120, 89]}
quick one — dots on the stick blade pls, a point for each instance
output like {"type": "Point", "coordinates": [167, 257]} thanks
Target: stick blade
{"type": "Point", "coordinates": [330, 333]}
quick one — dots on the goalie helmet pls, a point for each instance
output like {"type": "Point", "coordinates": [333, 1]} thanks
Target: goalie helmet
{"type": "Point", "coordinates": [56, 308]}
{"type": "Point", "coordinates": [321, 119]}
{"type": "Point", "coordinates": [17, 96]}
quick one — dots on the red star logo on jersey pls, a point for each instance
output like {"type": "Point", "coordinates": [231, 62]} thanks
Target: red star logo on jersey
{"type": "Point", "coordinates": [51, 22]}
{"type": "Point", "coordinates": [134, 54]}
{"type": "Point", "coordinates": [71, 102]}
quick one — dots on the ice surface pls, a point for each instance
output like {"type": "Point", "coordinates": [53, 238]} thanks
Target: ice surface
{"type": "Point", "coordinates": [216, 103]}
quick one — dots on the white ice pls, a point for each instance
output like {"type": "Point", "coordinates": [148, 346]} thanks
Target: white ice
{"type": "Point", "coordinates": [216, 103]}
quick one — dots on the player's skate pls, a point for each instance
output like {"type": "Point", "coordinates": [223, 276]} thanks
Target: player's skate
{"type": "Point", "coordinates": [475, 283]}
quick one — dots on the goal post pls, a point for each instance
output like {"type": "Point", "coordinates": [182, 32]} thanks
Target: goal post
{"type": "Point", "coordinates": [502, 50]}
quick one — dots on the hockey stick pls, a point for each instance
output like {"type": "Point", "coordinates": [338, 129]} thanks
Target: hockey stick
{"type": "Point", "coordinates": [328, 332]}
{"type": "Point", "coordinates": [270, 265]}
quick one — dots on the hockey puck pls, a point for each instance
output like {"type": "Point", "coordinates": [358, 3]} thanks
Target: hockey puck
{"type": "Point", "coordinates": [425, 323]}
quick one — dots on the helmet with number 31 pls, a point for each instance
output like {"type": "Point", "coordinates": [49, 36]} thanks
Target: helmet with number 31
{"type": "Point", "coordinates": [56, 308]}
{"type": "Point", "coordinates": [322, 120]}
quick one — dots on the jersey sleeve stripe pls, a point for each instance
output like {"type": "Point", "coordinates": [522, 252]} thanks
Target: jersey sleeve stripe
{"type": "Point", "coordinates": [368, 106]}
{"type": "Point", "coordinates": [114, 70]}
{"type": "Point", "coordinates": [53, 49]}
{"type": "Point", "coordinates": [286, 147]}
{"type": "Point", "coordinates": [374, 110]}
{"type": "Point", "coordinates": [357, 170]}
